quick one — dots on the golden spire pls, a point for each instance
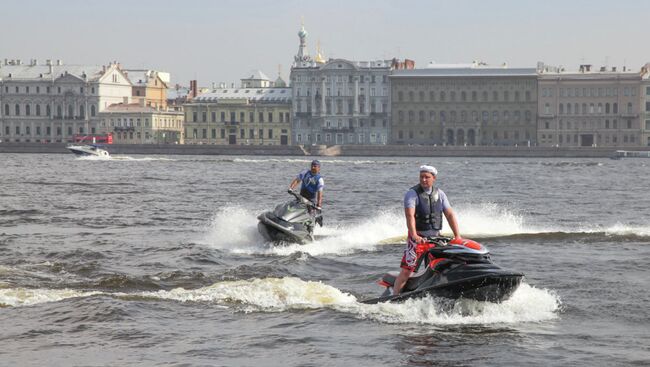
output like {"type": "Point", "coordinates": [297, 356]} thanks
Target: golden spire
{"type": "Point", "coordinates": [319, 57]}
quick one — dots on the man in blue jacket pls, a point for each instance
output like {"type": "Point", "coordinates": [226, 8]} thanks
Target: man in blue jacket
{"type": "Point", "coordinates": [312, 184]}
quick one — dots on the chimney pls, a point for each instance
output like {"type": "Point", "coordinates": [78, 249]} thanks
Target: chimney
{"type": "Point", "coordinates": [125, 100]}
{"type": "Point", "coordinates": [614, 68]}
{"type": "Point", "coordinates": [193, 90]}
{"type": "Point", "coordinates": [142, 102]}
{"type": "Point", "coordinates": [48, 62]}
{"type": "Point", "coordinates": [59, 62]}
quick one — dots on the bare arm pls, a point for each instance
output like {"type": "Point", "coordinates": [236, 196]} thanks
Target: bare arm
{"type": "Point", "coordinates": [409, 213]}
{"type": "Point", "coordinates": [319, 199]}
{"type": "Point", "coordinates": [294, 183]}
{"type": "Point", "coordinates": [453, 223]}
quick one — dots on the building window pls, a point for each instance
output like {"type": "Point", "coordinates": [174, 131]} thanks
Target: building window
{"type": "Point", "coordinates": [195, 116]}
{"type": "Point", "coordinates": [204, 116]}
{"type": "Point", "coordinates": [17, 110]}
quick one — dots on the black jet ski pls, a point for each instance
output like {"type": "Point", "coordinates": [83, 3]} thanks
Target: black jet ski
{"type": "Point", "coordinates": [292, 221]}
{"type": "Point", "coordinates": [453, 269]}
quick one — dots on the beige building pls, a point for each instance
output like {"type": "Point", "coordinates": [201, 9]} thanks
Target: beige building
{"type": "Point", "coordinates": [149, 86]}
{"type": "Point", "coordinates": [254, 115]}
{"type": "Point", "coordinates": [464, 104]}
{"type": "Point", "coordinates": [136, 123]}
{"type": "Point", "coordinates": [591, 107]}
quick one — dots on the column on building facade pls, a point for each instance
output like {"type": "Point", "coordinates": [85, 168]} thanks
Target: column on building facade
{"type": "Point", "coordinates": [322, 99]}
{"type": "Point", "coordinates": [312, 96]}
{"type": "Point", "coordinates": [356, 95]}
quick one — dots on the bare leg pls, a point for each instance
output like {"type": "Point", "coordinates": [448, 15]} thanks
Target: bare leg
{"type": "Point", "coordinates": [401, 280]}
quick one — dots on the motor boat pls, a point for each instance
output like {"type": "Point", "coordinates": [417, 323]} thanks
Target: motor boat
{"type": "Point", "coordinates": [459, 268]}
{"type": "Point", "coordinates": [89, 150]}
{"type": "Point", "coordinates": [291, 222]}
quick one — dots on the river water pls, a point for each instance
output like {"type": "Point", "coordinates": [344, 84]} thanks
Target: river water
{"type": "Point", "coordinates": [156, 261]}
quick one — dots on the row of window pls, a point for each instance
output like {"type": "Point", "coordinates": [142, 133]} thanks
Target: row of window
{"type": "Point", "coordinates": [343, 78]}
{"type": "Point", "coordinates": [464, 115]}
{"type": "Point", "coordinates": [37, 89]}
{"type": "Point", "coordinates": [459, 136]}
{"type": "Point", "coordinates": [48, 130]}
{"type": "Point", "coordinates": [136, 122]}
{"type": "Point", "coordinates": [339, 92]}
{"type": "Point", "coordinates": [575, 138]}
{"type": "Point", "coordinates": [339, 107]}
{"type": "Point", "coordinates": [592, 125]}
{"type": "Point", "coordinates": [252, 133]}
{"type": "Point", "coordinates": [463, 96]}
{"type": "Point", "coordinates": [574, 109]}
{"type": "Point", "coordinates": [27, 109]}
{"type": "Point", "coordinates": [283, 117]}
{"type": "Point", "coordinates": [589, 92]}
{"type": "Point", "coordinates": [340, 138]}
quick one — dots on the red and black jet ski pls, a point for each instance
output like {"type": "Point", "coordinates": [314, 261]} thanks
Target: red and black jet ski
{"type": "Point", "coordinates": [453, 269]}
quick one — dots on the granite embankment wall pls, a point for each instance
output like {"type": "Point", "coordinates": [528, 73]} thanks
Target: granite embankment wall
{"type": "Point", "coordinates": [322, 150]}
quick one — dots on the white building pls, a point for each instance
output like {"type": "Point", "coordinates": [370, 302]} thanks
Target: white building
{"type": "Point", "coordinates": [339, 101]}
{"type": "Point", "coordinates": [51, 102]}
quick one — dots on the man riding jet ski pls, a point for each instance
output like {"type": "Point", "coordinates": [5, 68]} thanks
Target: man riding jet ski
{"type": "Point", "coordinates": [452, 268]}
{"type": "Point", "coordinates": [294, 220]}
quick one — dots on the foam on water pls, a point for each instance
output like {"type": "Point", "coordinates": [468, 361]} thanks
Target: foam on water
{"type": "Point", "coordinates": [235, 228]}
{"type": "Point", "coordinates": [15, 297]}
{"type": "Point", "coordinates": [282, 294]}
{"type": "Point", "coordinates": [276, 295]}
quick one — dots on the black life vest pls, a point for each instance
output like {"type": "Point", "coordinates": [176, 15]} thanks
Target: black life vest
{"type": "Point", "coordinates": [428, 210]}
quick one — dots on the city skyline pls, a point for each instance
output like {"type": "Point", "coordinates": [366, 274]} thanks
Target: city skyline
{"type": "Point", "coordinates": [223, 41]}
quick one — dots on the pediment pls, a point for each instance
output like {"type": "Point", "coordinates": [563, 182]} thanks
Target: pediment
{"type": "Point", "coordinates": [339, 64]}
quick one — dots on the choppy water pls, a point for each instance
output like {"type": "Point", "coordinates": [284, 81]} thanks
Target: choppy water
{"type": "Point", "coordinates": [157, 261]}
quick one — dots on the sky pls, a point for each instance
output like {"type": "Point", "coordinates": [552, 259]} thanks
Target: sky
{"type": "Point", "coordinates": [224, 40]}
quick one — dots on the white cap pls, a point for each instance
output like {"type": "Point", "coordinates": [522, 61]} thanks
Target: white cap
{"type": "Point", "coordinates": [431, 169]}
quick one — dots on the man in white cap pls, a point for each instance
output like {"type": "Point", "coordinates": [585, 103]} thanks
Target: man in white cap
{"type": "Point", "coordinates": [424, 205]}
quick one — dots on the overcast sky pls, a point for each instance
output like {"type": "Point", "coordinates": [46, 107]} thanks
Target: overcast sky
{"type": "Point", "coordinates": [223, 40]}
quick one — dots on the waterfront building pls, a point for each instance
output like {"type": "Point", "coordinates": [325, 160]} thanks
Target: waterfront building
{"type": "Point", "coordinates": [645, 105]}
{"type": "Point", "coordinates": [340, 101]}
{"type": "Point", "coordinates": [137, 123]}
{"type": "Point", "coordinates": [253, 113]}
{"type": "Point", "coordinates": [150, 86]}
{"type": "Point", "coordinates": [464, 104]}
{"type": "Point", "coordinates": [52, 102]}
{"type": "Point", "coordinates": [590, 107]}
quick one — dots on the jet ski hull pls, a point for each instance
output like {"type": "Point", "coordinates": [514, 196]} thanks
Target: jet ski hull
{"type": "Point", "coordinates": [487, 288]}
{"type": "Point", "coordinates": [271, 228]}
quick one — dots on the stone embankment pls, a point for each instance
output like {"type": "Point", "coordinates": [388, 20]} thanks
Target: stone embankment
{"type": "Point", "coordinates": [323, 150]}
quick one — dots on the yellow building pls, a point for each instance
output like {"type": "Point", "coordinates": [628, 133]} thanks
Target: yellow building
{"type": "Point", "coordinates": [150, 86]}
{"type": "Point", "coordinates": [252, 115]}
{"type": "Point", "coordinates": [136, 123]}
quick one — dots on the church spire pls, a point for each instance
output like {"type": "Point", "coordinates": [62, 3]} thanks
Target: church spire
{"type": "Point", "coordinates": [303, 54]}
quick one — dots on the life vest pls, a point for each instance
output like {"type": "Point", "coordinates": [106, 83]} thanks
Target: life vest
{"type": "Point", "coordinates": [309, 186]}
{"type": "Point", "coordinates": [428, 211]}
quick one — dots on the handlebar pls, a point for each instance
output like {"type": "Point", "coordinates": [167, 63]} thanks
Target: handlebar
{"type": "Point", "coordinates": [303, 200]}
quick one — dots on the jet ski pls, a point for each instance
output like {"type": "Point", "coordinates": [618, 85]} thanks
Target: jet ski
{"type": "Point", "coordinates": [453, 269]}
{"type": "Point", "coordinates": [291, 222]}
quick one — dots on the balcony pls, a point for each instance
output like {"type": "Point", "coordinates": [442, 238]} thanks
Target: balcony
{"type": "Point", "coordinates": [338, 129]}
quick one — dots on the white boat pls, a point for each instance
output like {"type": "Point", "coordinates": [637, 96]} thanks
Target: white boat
{"type": "Point", "coordinates": [88, 151]}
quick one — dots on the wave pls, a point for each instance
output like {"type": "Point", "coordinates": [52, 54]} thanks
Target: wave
{"type": "Point", "coordinates": [15, 297]}
{"type": "Point", "coordinates": [234, 229]}
{"type": "Point", "coordinates": [285, 294]}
